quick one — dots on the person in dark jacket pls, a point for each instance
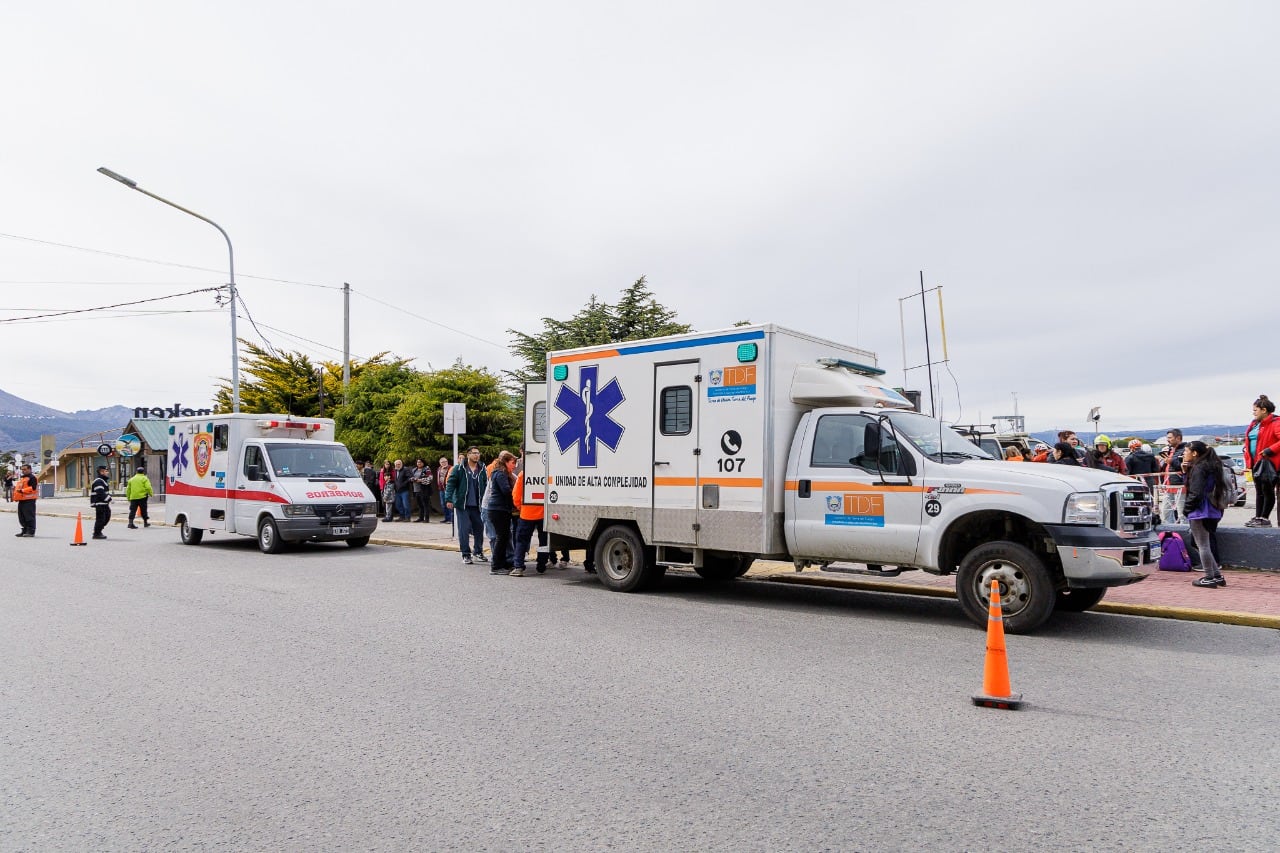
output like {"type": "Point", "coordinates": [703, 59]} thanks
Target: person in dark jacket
{"type": "Point", "coordinates": [1141, 461]}
{"type": "Point", "coordinates": [404, 491]}
{"type": "Point", "coordinates": [464, 494]}
{"type": "Point", "coordinates": [422, 477]}
{"type": "Point", "coordinates": [498, 499]}
{"type": "Point", "coordinates": [100, 500]}
{"type": "Point", "coordinates": [1172, 498]}
{"type": "Point", "coordinates": [370, 476]}
{"type": "Point", "coordinates": [1205, 500]}
{"type": "Point", "coordinates": [1065, 454]}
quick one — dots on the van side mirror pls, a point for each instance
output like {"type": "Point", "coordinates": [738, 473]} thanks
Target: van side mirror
{"type": "Point", "coordinates": [255, 472]}
{"type": "Point", "coordinates": [871, 440]}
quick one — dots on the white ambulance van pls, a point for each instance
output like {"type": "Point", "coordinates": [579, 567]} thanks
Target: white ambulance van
{"type": "Point", "coordinates": [710, 450]}
{"type": "Point", "coordinates": [278, 478]}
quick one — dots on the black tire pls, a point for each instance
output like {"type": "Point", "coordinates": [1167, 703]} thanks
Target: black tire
{"type": "Point", "coordinates": [1027, 594]}
{"type": "Point", "coordinates": [1078, 600]}
{"type": "Point", "coordinates": [622, 562]}
{"type": "Point", "coordinates": [720, 568]}
{"type": "Point", "coordinates": [269, 541]}
{"type": "Point", "coordinates": [188, 534]}
{"type": "Point", "coordinates": [357, 541]}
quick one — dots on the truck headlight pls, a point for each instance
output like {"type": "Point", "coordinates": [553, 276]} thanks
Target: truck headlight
{"type": "Point", "coordinates": [295, 510]}
{"type": "Point", "coordinates": [1083, 508]}
{"type": "Point", "coordinates": [370, 508]}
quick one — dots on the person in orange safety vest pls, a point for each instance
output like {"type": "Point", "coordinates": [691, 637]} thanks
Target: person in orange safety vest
{"type": "Point", "coordinates": [25, 492]}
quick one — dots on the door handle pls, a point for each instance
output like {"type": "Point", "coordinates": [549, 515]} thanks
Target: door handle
{"type": "Point", "coordinates": [661, 463]}
{"type": "Point", "coordinates": [804, 488]}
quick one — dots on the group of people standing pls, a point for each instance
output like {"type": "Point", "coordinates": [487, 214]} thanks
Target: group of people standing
{"type": "Point", "coordinates": [138, 489]}
{"type": "Point", "coordinates": [498, 501]}
{"type": "Point", "coordinates": [399, 489]}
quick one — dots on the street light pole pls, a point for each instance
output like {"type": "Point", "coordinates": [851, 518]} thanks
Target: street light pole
{"type": "Point", "coordinates": [235, 346]}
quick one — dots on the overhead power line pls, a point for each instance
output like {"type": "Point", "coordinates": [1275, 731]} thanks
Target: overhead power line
{"type": "Point", "coordinates": [429, 320]}
{"type": "Point", "coordinates": [105, 307]}
{"type": "Point", "coordinates": [164, 263]}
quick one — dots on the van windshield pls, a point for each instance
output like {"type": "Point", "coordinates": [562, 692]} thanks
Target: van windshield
{"type": "Point", "coordinates": [303, 459]}
{"type": "Point", "coordinates": [933, 439]}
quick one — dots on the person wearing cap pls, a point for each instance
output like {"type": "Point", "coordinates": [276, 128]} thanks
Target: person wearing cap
{"type": "Point", "coordinates": [25, 492]}
{"type": "Point", "coordinates": [1040, 453]}
{"type": "Point", "coordinates": [137, 490]}
{"type": "Point", "coordinates": [1141, 462]}
{"type": "Point", "coordinates": [1104, 456]}
{"type": "Point", "coordinates": [100, 500]}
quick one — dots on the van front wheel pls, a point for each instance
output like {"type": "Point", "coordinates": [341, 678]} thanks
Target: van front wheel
{"type": "Point", "coordinates": [269, 541]}
{"type": "Point", "coordinates": [1027, 594]}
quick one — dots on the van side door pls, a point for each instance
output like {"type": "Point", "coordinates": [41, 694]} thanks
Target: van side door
{"type": "Point", "coordinates": [675, 453]}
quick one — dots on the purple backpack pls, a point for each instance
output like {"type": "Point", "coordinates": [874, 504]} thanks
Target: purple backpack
{"type": "Point", "coordinates": [1173, 553]}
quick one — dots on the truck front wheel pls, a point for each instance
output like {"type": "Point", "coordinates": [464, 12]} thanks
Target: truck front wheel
{"type": "Point", "coordinates": [1027, 594]}
{"type": "Point", "coordinates": [719, 569]}
{"type": "Point", "coordinates": [1078, 600]}
{"type": "Point", "coordinates": [269, 541]}
{"type": "Point", "coordinates": [622, 561]}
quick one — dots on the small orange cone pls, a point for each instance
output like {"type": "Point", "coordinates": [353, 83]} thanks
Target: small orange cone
{"type": "Point", "coordinates": [996, 692]}
{"type": "Point", "coordinates": [79, 540]}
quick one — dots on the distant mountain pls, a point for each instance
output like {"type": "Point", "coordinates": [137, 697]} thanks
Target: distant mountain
{"type": "Point", "coordinates": [1221, 432]}
{"type": "Point", "coordinates": [22, 422]}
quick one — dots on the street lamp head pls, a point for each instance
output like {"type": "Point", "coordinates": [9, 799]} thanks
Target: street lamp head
{"type": "Point", "coordinates": [132, 184]}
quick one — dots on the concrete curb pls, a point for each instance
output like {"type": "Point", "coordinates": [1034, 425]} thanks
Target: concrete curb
{"type": "Point", "coordinates": [1156, 611]}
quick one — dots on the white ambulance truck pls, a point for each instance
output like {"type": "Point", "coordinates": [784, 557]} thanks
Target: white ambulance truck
{"type": "Point", "coordinates": [710, 450]}
{"type": "Point", "coordinates": [278, 478]}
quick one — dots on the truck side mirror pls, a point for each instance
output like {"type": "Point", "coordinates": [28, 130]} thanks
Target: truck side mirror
{"type": "Point", "coordinates": [871, 441]}
{"type": "Point", "coordinates": [255, 472]}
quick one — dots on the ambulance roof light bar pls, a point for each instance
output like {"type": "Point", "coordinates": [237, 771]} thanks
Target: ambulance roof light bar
{"type": "Point", "coordinates": [309, 427]}
{"type": "Point", "coordinates": [864, 369]}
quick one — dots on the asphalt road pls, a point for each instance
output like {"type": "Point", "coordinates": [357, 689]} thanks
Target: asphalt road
{"type": "Point", "coordinates": [155, 695]}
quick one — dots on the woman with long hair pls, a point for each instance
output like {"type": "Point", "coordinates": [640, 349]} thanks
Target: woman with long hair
{"type": "Point", "coordinates": [499, 500]}
{"type": "Point", "coordinates": [1262, 441]}
{"type": "Point", "coordinates": [1206, 499]}
{"type": "Point", "coordinates": [1064, 454]}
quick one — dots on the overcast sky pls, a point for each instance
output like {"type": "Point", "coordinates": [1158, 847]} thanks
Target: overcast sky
{"type": "Point", "coordinates": [1093, 184]}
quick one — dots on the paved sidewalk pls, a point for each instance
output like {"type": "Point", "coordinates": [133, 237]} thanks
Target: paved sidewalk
{"type": "Point", "coordinates": [1250, 597]}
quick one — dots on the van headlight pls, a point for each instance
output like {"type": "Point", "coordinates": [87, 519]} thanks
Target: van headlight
{"type": "Point", "coordinates": [295, 510]}
{"type": "Point", "coordinates": [1083, 508]}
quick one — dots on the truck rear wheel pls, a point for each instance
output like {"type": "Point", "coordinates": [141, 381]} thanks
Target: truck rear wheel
{"type": "Point", "coordinates": [623, 562]}
{"type": "Point", "coordinates": [1078, 600]}
{"type": "Point", "coordinates": [720, 568]}
{"type": "Point", "coordinates": [1027, 595]}
{"type": "Point", "coordinates": [269, 541]}
{"type": "Point", "coordinates": [188, 534]}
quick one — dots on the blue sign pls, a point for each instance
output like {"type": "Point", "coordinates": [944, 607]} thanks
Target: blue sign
{"type": "Point", "coordinates": [588, 416]}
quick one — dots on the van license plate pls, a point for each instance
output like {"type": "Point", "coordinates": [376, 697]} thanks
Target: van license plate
{"type": "Point", "coordinates": [1155, 553]}
{"type": "Point", "coordinates": [340, 531]}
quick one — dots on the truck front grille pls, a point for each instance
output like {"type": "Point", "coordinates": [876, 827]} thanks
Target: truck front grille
{"type": "Point", "coordinates": [1129, 510]}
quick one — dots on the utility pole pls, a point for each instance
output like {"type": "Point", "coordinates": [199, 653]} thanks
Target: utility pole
{"type": "Point", "coordinates": [346, 339]}
{"type": "Point", "coordinates": [320, 374]}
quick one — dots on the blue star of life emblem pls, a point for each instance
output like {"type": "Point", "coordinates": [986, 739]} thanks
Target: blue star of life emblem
{"type": "Point", "coordinates": [588, 420]}
{"type": "Point", "coordinates": [179, 448]}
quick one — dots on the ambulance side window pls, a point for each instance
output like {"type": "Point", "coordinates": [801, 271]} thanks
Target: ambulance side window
{"type": "Point", "coordinates": [676, 410]}
{"type": "Point", "coordinates": [253, 463]}
{"type": "Point", "coordinates": [540, 422]}
{"type": "Point", "coordinates": [220, 433]}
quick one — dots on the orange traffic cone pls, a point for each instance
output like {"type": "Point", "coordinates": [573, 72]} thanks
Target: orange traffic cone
{"type": "Point", "coordinates": [996, 692]}
{"type": "Point", "coordinates": [79, 538]}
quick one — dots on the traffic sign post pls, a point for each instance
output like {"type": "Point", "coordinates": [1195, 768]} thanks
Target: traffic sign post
{"type": "Point", "coordinates": [455, 423]}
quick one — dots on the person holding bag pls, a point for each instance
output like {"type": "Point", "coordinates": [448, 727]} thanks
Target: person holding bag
{"type": "Point", "coordinates": [1262, 456]}
{"type": "Point", "coordinates": [1206, 499]}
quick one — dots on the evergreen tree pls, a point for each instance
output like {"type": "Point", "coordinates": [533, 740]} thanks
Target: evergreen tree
{"type": "Point", "coordinates": [364, 423]}
{"type": "Point", "coordinates": [494, 417]}
{"type": "Point", "coordinates": [287, 382]}
{"type": "Point", "coordinates": [637, 315]}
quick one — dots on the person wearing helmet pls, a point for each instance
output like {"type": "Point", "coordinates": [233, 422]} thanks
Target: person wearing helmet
{"type": "Point", "coordinates": [1103, 456]}
{"type": "Point", "coordinates": [1141, 462]}
{"type": "Point", "coordinates": [1040, 453]}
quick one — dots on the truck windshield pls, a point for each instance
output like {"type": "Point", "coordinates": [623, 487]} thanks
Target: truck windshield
{"type": "Point", "coordinates": [933, 439]}
{"type": "Point", "coordinates": [302, 459]}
